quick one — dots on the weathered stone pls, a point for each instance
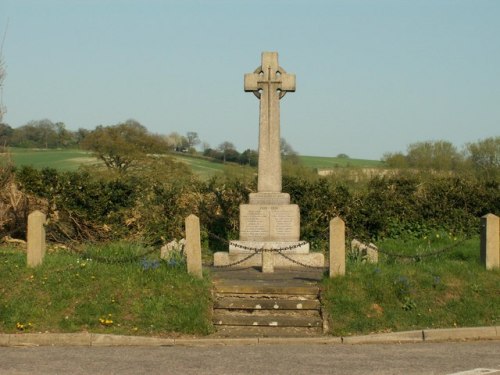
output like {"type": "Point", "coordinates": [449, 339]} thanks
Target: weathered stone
{"type": "Point", "coordinates": [173, 246]}
{"type": "Point", "coordinates": [369, 252]}
{"type": "Point", "coordinates": [36, 238]}
{"type": "Point", "coordinates": [222, 258]}
{"type": "Point", "coordinates": [193, 246]}
{"type": "Point", "coordinates": [269, 83]}
{"type": "Point", "coordinates": [267, 262]}
{"type": "Point", "coordinates": [490, 241]}
{"type": "Point", "coordinates": [269, 221]}
{"type": "Point", "coordinates": [337, 247]}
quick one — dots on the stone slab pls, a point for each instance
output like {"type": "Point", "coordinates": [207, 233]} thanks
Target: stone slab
{"type": "Point", "coordinates": [282, 335]}
{"type": "Point", "coordinates": [300, 340]}
{"type": "Point", "coordinates": [269, 319]}
{"type": "Point", "coordinates": [469, 333]}
{"type": "Point", "coordinates": [269, 222]}
{"type": "Point", "coordinates": [266, 288]}
{"type": "Point", "coordinates": [244, 247]}
{"type": "Point", "coordinates": [396, 337]}
{"type": "Point", "coordinates": [223, 258]}
{"type": "Point", "coordinates": [266, 304]}
{"type": "Point", "coordinates": [4, 339]}
{"type": "Point", "coordinates": [50, 339]}
{"type": "Point", "coordinates": [269, 198]}
{"type": "Point", "coordinates": [120, 340]}
{"type": "Point", "coordinates": [215, 341]}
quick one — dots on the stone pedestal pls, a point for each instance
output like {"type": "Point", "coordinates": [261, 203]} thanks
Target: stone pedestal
{"type": "Point", "coordinates": [269, 222]}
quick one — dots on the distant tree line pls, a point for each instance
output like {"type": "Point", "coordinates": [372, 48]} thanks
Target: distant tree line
{"type": "Point", "coordinates": [121, 146]}
{"type": "Point", "coordinates": [482, 157]}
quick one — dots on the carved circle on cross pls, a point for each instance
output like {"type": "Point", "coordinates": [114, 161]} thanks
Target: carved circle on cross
{"type": "Point", "coordinates": [279, 72]}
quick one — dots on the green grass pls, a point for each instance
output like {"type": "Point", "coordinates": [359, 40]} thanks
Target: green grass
{"type": "Point", "coordinates": [59, 159]}
{"type": "Point", "coordinates": [108, 289]}
{"type": "Point", "coordinates": [205, 168]}
{"type": "Point", "coordinates": [448, 290]}
{"type": "Point", "coordinates": [320, 162]}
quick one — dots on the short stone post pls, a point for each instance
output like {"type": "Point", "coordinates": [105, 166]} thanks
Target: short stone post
{"type": "Point", "coordinates": [36, 238]}
{"type": "Point", "coordinates": [337, 247]}
{"type": "Point", "coordinates": [490, 241]}
{"type": "Point", "coordinates": [267, 261]}
{"type": "Point", "coordinates": [193, 246]}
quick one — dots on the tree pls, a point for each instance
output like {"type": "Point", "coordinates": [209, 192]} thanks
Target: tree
{"type": "Point", "coordinates": [287, 152]}
{"type": "Point", "coordinates": [249, 157]}
{"type": "Point", "coordinates": [437, 155]}
{"type": "Point", "coordinates": [395, 160]}
{"type": "Point", "coordinates": [192, 139]}
{"type": "Point", "coordinates": [2, 77]}
{"type": "Point", "coordinates": [484, 156]}
{"type": "Point", "coordinates": [123, 145]}
{"type": "Point", "coordinates": [5, 134]}
{"type": "Point", "coordinates": [228, 151]}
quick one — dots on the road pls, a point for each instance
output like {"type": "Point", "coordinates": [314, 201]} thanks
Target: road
{"type": "Point", "coordinates": [421, 358]}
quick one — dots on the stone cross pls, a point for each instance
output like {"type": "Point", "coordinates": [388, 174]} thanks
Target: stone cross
{"type": "Point", "coordinates": [269, 82]}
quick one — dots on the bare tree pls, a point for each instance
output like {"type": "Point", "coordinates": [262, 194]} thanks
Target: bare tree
{"type": "Point", "coordinates": [2, 73]}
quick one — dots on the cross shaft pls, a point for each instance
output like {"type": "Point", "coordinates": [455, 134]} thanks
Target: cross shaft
{"type": "Point", "coordinates": [269, 83]}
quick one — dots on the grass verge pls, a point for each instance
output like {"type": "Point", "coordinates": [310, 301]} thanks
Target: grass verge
{"type": "Point", "coordinates": [109, 289]}
{"type": "Point", "coordinates": [447, 290]}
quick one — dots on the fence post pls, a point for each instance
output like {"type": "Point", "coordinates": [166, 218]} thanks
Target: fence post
{"type": "Point", "coordinates": [490, 241]}
{"type": "Point", "coordinates": [337, 247]}
{"type": "Point", "coordinates": [36, 238]}
{"type": "Point", "coordinates": [193, 246]}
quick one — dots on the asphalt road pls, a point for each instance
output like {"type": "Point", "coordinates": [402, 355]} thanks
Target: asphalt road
{"type": "Point", "coordinates": [421, 358]}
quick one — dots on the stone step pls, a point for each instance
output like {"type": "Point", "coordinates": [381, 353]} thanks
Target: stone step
{"type": "Point", "coordinates": [266, 288]}
{"type": "Point", "coordinates": [307, 318]}
{"type": "Point", "coordinates": [265, 331]}
{"type": "Point", "coordinates": [249, 303]}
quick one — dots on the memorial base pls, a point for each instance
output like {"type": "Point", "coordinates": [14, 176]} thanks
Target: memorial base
{"type": "Point", "coordinates": [288, 247]}
{"type": "Point", "coordinates": [224, 258]}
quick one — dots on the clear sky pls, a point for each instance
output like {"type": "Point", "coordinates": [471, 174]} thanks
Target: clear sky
{"type": "Point", "coordinates": [372, 76]}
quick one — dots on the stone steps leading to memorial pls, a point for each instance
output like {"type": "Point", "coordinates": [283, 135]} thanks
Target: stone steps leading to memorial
{"type": "Point", "coordinates": [266, 306]}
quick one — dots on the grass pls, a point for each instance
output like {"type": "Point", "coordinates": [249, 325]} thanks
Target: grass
{"type": "Point", "coordinates": [448, 290]}
{"type": "Point", "coordinates": [65, 160]}
{"type": "Point", "coordinates": [320, 162]}
{"type": "Point", "coordinates": [71, 159]}
{"type": "Point", "coordinates": [106, 289]}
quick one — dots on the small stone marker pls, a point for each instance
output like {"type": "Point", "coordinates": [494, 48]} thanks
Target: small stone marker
{"type": "Point", "coordinates": [193, 246]}
{"type": "Point", "coordinates": [337, 247]}
{"type": "Point", "coordinates": [267, 262]}
{"type": "Point", "coordinates": [36, 238]}
{"type": "Point", "coordinates": [490, 241]}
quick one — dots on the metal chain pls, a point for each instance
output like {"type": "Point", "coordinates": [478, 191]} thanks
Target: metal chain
{"type": "Point", "coordinates": [417, 257]}
{"type": "Point", "coordinates": [235, 263]}
{"type": "Point", "coordinates": [262, 250]}
{"type": "Point", "coordinates": [299, 263]}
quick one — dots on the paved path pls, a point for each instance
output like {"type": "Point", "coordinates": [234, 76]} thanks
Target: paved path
{"type": "Point", "coordinates": [422, 358]}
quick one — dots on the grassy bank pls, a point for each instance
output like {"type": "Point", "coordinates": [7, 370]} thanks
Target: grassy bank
{"type": "Point", "coordinates": [125, 289]}
{"type": "Point", "coordinates": [109, 289]}
{"type": "Point", "coordinates": [447, 290]}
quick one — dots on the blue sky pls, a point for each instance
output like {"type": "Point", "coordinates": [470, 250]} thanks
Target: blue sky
{"type": "Point", "coordinates": [372, 76]}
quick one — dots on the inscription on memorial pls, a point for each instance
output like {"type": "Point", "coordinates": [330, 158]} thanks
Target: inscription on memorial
{"type": "Point", "coordinates": [269, 222]}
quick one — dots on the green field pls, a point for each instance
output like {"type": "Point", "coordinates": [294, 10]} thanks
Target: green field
{"type": "Point", "coordinates": [322, 162]}
{"type": "Point", "coordinates": [65, 160]}
{"type": "Point", "coordinates": [71, 159]}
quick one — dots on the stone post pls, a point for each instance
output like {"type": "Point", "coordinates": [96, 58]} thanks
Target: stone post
{"type": "Point", "coordinates": [337, 247]}
{"type": "Point", "coordinates": [267, 261]}
{"type": "Point", "coordinates": [490, 241]}
{"type": "Point", "coordinates": [193, 246]}
{"type": "Point", "coordinates": [36, 238]}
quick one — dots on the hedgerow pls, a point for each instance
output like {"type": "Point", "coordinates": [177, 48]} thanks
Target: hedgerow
{"type": "Point", "coordinates": [150, 204]}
